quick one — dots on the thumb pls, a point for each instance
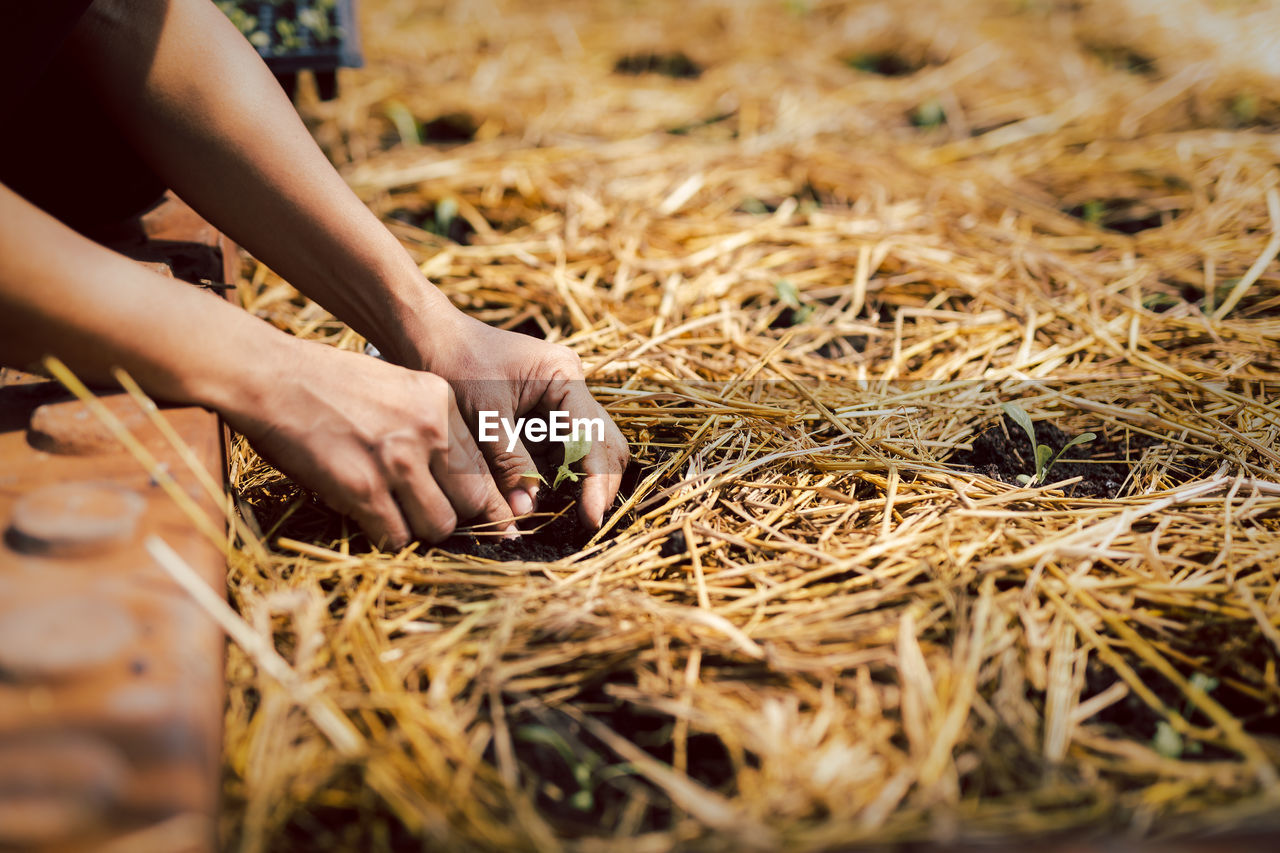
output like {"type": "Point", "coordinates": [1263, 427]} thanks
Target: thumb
{"type": "Point", "coordinates": [511, 472]}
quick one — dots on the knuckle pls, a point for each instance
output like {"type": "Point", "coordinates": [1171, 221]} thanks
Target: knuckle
{"type": "Point", "coordinates": [361, 485]}
{"type": "Point", "coordinates": [507, 465]}
{"type": "Point", "coordinates": [397, 461]}
{"type": "Point", "coordinates": [444, 524]}
{"type": "Point", "coordinates": [567, 360]}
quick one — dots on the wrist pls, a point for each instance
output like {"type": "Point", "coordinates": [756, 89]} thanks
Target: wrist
{"type": "Point", "coordinates": [419, 321]}
{"type": "Point", "coordinates": [246, 380]}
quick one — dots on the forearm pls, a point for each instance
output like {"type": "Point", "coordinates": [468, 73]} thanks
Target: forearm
{"type": "Point", "coordinates": [63, 295]}
{"type": "Point", "coordinates": [211, 120]}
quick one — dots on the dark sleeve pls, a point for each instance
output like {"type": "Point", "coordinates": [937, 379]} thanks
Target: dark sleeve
{"type": "Point", "coordinates": [31, 31]}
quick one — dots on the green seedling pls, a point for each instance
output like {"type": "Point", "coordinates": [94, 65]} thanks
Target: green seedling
{"type": "Point", "coordinates": [789, 296]}
{"type": "Point", "coordinates": [587, 769]}
{"type": "Point", "coordinates": [1246, 107]}
{"type": "Point", "coordinates": [446, 212]}
{"type": "Point", "coordinates": [1167, 741]}
{"type": "Point", "coordinates": [929, 114]}
{"type": "Point", "coordinates": [1044, 455]}
{"type": "Point", "coordinates": [1092, 212]}
{"type": "Point", "coordinates": [575, 449]}
{"type": "Point", "coordinates": [406, 125]}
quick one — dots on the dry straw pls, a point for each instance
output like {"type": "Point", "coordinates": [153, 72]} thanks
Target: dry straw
{"type": "Point", "coordinates": [804, 287]}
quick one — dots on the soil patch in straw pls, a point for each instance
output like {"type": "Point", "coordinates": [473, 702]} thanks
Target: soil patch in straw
{"type": "Point", "coordinates": [1122, 58]}
{"type": "Point", "coordinates": [442, 223]}
{"type": "Point", "coordinates": [1004, 451]}
{"type": "Point", "coordinates": [450, 128]}
{"type": "Point", "coordinates": [553, 531]}
{"type": "Point", "coordinates": [884, 63]}
{"type": "Point", "coordinates": [674, 64]}
{"type": "Point", "coordinates": [1123, 215]}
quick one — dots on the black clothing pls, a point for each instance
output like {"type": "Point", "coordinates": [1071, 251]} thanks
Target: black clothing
{"type": "Point", "coordinates": [60, 149]}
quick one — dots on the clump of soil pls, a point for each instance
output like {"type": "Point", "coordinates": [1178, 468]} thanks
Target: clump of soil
{"type": "Point", "coordinates": [1004, 451]}
{"type": "Point", "coordinates": [675, 64]}
{"type": "Point", "coordinates": [554, 532]}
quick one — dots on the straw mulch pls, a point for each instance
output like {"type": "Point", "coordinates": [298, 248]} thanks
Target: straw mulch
{"type": "Point", "coordinates": [804, 282]}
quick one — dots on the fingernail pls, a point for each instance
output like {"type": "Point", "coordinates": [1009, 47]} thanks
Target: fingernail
{"type": "Point", "coordinates": [533, 495]}
{"type": "Point", "coordinates": [521, 502]}
{"type": "Point", "coordinates": [511, 531]}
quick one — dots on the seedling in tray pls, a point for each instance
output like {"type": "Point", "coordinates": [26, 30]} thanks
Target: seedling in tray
{"type": "Point", "coordinates": [1045, 458]}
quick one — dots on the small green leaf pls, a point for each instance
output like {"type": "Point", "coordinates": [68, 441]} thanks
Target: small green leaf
{"type": "Point", "coordinates": [583, 801]}
{"type": "Point", "coordinates": [1167, 741]}
{"type": "Point", "coordinates": [533, 475]}
{"type": "Point", "coordinates": [576, 448]}
{"type": "Point", "coordinates": [1206, 683]}
{"type": "Point", "coordinates": [787, 293]}
{"type": "Point", "coordinates": [1082, 438]}
{"type": "Point", "coordinates": [1044, 458]}
{"type": "Point", "coordinates": [929, 114]}
{"type": "Point", "coordinates": [548, 737]}
{"type": "Point", "coordinates": [563, 473]}
{"type": "Point", "coordinates": [446, 212]}
{"type": "Point", "coordinates": [1092, 212]}
{"type": "Point", "coordinates": [1024, 479]}
{"type": "Point", "coordinates": [1245, 107]}
{"type": "Point", "coordinates": [1021, 418]}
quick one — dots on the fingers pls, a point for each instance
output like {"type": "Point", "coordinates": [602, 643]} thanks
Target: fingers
{"type": "Point", "coordinates": [510, 468]}
{"type": "Point", "coordinates": [603, 466]}
{"type": "Point", "coordinates": [605, 460]}
{"type": "Point", "coordinates": [381, 520]}
{"type": "Point", "coordinates": [429, 473]}
{"type": "Point", "coordinates": [464, 476]}
{"type": "Point", "coordinates": [427, 510]}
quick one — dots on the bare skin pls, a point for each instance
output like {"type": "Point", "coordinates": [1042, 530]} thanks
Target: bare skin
{"type": "Point", "coordinates": [389, 444]}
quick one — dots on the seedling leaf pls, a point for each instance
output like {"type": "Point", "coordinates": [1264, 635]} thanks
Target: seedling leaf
{"type": "Point", "coordinates": [1024, 479]}
{"type": "Point", "coordinates": [1082, 438]}
{"type": "Point", "coordinates": [1021, 418]}
{"type": "Point", "coordinates": [1207, 683]}
{"type": "Point", "coordinates": [788, 294]}
{"type": "Point", "coordinates": [1044, 458]}
{"type": "Point", "coordinates": [574, 450]}
{"type": "Point", "coordinates": [533, 475]}
{"type": "Point", "coordinates": [1167, 741]}
{"type": "Point", "coordinates": [405, 123]}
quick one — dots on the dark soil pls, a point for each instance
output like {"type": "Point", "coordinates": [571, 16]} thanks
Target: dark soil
{"type": "Point", "coordinates": [674, 64]}
{"type": "Point", "coordinates": [1123, 215]}
{"type": "Point", "coordinates": [556, 531]}
{"type": "Point", "coordinates": [454, 228]}
{"type": "Point", "coordinates": [450, 128]}
{"type": "Point", "coordinates": [1004, 451]}
{"type": "Point", "coordinates": [885, 64]}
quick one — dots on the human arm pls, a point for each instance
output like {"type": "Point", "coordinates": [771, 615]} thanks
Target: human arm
{"type": "Point", "coordinates": [384, 444]}
{"type": "Point", "coordinates": [210, 120]}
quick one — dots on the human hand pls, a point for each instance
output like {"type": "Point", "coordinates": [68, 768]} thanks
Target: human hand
{"type": "Point", "coordinates": [385, 445]}
{"type": "Point", "coordinates": [513, 374]}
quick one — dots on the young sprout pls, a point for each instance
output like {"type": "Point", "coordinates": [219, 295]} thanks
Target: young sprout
{"type": "Point", "coordinates": [789, 295]}
{"type": "Point", "coordinates": [574, 450]}
{"type": "Point", "coordinates": [1043, 453]}
{"type": "Point", "coordinates": [1167, 741]}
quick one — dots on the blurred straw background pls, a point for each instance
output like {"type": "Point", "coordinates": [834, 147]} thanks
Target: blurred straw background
{"type": "Point", "coordinates": [806, 248]}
